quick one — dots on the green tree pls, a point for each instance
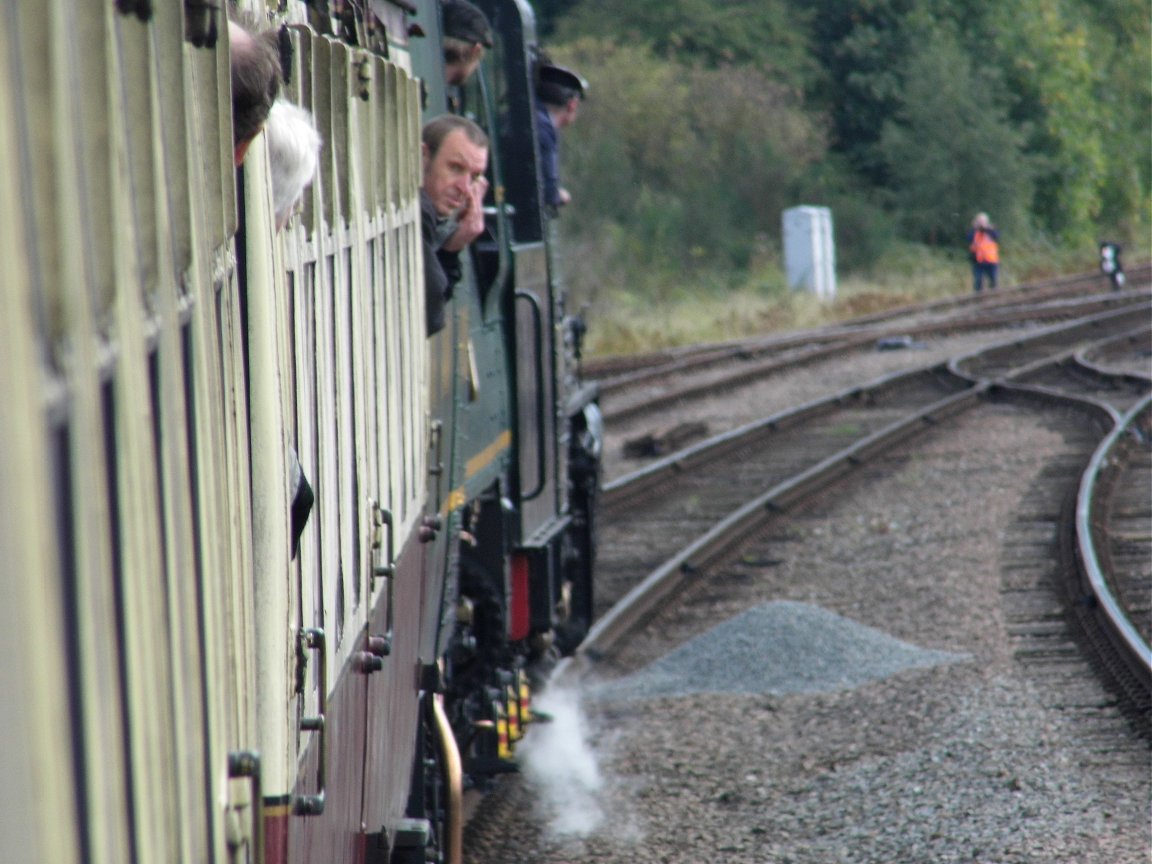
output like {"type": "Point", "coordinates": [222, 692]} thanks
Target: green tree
{"type": "Point", "coordinates": [693, 164]}
{"type": "Point", "coordinates": [549, 12]}
{"type": "Point", "coordinates": [950, 149]}
{"type": "Point", "coordinates": [1125, 99]}
{"type": "Point", "coordinates": [708, 116]}
{"type": "Point", "coordinates": [771, 35]}
{"type": "Point", "coordinates": [860, 45]}
{"type": "Point", "coordinates": [1047, 59]}
{"type": "Point", "coordinates": [1119, 43]}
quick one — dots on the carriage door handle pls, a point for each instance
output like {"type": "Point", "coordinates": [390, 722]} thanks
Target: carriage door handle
{"type": "Point", "coordinates": [382, 522]}
{"type": "Point", "coordinates": [436, 469]}
{"type": "Point", "coordinates": [312, 638]}
{"type": "Point", "coordinates": [246, 763]}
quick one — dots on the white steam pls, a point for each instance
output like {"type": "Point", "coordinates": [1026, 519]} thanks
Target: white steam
{"type": "Point", "coordinates": [558, 761]}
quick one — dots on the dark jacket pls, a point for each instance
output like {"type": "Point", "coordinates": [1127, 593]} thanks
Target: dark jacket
{"type": "Point", "coordinates": [549, 141]}
{"type": "Point", "coordinates": [441, 268]}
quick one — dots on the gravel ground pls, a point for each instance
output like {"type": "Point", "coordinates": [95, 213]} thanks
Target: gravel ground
{"type": "Point", "coordinates": [793, 387]}
{"type": "Point", "coordinates": [965, 760]}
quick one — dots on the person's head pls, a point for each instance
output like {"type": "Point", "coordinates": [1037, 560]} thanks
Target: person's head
{"type": "Point", "coordinates": [255, 65]}
{"type": "Point", "coordinates": [561, 91]}
{"type": "Point", "coordinates": [981, 221]}
{"type": "Point", "coordinates": [455, 156]}
{"type": "Point", "coordinates": [467, 34]}
{"type": "Point", "coordinates": [293, 154]}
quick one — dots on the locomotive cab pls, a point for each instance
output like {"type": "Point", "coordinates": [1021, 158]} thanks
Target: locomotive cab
{"type": "Point", "coordinates": [555, 466]}
{"type": "Point", "coordinates": [520, 484]}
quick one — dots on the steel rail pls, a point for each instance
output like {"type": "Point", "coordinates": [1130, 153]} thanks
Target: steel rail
{"type": "Point", "coordinates": [622, 365]}
{"type": "Point", "coordinates": [1129, 642]}
{"type": "Point", "coordinates": [707, 548]}
{"type": "Point", "coordinates": [829, 345]}
{"type": "Point", "coordinates": [662, 582]}
{"type": "Point", "coordinates": [616, 492]}
{"type": "Point", "coordinates": [1142, 334]}
{"type": "Point", "coordinates": [1019, 344]}
{"type": "Point", "coordinates": [626, 487]}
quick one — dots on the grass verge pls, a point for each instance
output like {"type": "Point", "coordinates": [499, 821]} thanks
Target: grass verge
{"type": "Point", "coordinates": [635, 309]}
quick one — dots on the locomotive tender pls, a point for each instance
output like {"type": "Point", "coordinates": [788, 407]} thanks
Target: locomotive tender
{"type": "Point", "coordinates": [180, 685]}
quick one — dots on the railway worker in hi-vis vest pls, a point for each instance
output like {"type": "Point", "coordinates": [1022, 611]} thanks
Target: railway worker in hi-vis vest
{"type": "Point", "coordinates": [984, 249]}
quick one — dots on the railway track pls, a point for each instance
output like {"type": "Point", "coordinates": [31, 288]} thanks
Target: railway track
{"type": "Point", "coordinates": [639, 396]}
{"type": "Point", "coordinates": [1115, 516]}
{"type": "Point", "coordinates": [619, 372]}
{"type": "Point", "coordinates": [1129, 353]}
{"type": "Point", "coordinates": [1114, 537]}
{"type": "Point", "coordinates": [675, 520]}
{"type": "Point", "coordinates": [879, 754]}
{"type": "Point", "coordinates": [1054, 629]}
{"type": "Point", "coordinates": [651, 511]}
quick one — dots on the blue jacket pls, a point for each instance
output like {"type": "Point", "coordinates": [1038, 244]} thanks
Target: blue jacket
{"type": "Point", "coordinates": [549, 141]}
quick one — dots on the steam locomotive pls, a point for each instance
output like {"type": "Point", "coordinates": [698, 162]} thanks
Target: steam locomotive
{"type": "Point", "coordinates": [183, 681]}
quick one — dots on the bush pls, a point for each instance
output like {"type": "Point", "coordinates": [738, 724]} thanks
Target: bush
{"type": "Point", "coordinates": [695, 163]}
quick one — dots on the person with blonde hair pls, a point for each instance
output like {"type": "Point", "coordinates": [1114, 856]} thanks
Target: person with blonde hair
{"type": "Point", "coordinates": [984, 252]}
{"type": "Point", "coordinates": [293, 155]}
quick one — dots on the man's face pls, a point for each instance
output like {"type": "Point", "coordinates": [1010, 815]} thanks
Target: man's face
{"type": "Point", "coordinates": [450, 174]}
{"type": "Point", "coordinates": [459, 72]}
{"type": "Point", "coordinates": [568, 116]}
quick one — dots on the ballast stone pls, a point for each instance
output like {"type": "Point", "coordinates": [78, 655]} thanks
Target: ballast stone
{"type": "Point", "coordinates": [777, 648]}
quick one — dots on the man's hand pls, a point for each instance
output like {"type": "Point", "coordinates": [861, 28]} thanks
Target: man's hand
{"type": "Point", "coordinates": [470, 217]}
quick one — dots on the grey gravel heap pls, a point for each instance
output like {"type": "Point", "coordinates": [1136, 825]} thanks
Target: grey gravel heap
{"type": "Point", "coordinates": [779, 647]}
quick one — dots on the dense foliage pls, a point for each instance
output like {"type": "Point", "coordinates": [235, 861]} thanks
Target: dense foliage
{"type": "Point", "coordinates": [708, 117]}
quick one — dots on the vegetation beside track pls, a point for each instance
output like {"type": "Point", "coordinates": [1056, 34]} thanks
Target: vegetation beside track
{"type": "Point", "coordinates": [648, 316]}
{"type": "Point", "coordinates": [905, 117]}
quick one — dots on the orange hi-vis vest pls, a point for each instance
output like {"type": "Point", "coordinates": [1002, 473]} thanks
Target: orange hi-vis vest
{"type": "Point", "coordinates": [985, 248]}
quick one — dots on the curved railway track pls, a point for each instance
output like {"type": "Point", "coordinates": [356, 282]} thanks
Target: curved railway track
{"type": "Point", "coordinates": [912, 434]}
{"type": "Point", "coordinates": [681, 516]}
{"type": "Point", "coordinates": [1114, 541]}
{"type": "Point", "coordinates": [615, 372]}
{"type": "Point", "coordinates": [1129, 353]}
{"type": "Point", "coordinates": [1114, 516]}
{"type": "Point", "coordinates": [652, 511]}
{"type": "Point", "coordinates": [641, 395]}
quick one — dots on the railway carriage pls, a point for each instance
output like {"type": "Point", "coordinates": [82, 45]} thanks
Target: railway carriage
{"type": "Point", "coordinates": [182, 684]}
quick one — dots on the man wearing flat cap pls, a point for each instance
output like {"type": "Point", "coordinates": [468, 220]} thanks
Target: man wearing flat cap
{"type": "Point", "coordinates": [467, 34]}
{"type": "Point", "coordinates": [558, 95]}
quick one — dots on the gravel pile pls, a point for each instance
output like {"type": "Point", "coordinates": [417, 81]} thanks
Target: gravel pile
{"type": "Point", "coordinates": [972, 761]}
{"type": "Point", "coordinates": [780, 647]}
